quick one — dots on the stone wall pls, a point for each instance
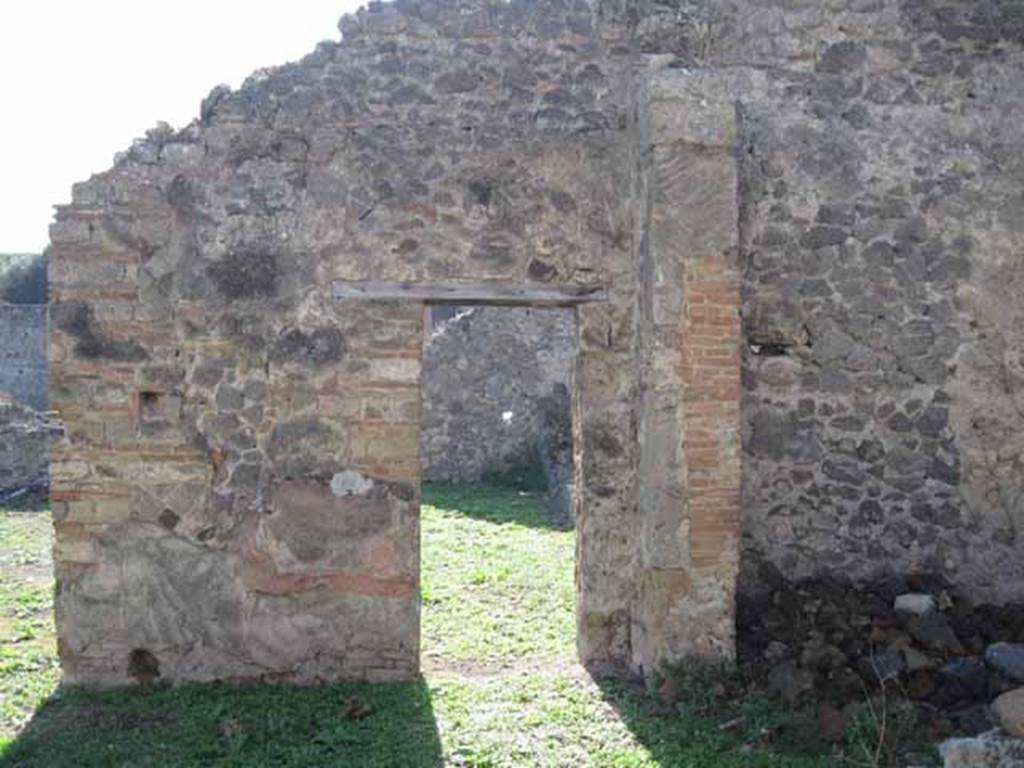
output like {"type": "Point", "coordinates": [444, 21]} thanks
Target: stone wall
{"type": "Point", "coordinates": [25, 436]}
{"type": "Point", "coordinates": [23, 329]}
{"type": "Point", "coordinates": [494, 382]}
{"type": "Point", "coordinates": [23, 353]}
{"type": "Point", "coordinates": [239, 494]}
{"type": "Point", "coordinates": [881, 225]}
{"type": "Point", "coordinates": [24, 432]}
{"type": "Point", "coordinates": [850, 166]}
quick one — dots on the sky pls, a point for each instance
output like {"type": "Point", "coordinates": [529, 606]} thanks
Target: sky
{"type": "Point", "coordinates": [79, 80]}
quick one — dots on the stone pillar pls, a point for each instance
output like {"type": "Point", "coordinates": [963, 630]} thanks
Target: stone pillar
{"type": "Point", "coordinates": [689, 398]}
{"type": "Point", "coordinates": [604, 428]}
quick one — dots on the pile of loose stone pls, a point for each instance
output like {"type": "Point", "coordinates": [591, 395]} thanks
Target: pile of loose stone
{"type": "Point", "coordinates": [959, 667]}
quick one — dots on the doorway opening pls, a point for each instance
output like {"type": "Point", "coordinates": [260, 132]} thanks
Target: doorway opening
{"type": "Point", "coordinates": [497, 523]}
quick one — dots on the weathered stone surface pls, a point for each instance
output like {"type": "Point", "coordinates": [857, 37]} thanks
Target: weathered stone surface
{"type": "Point", "coordinates": [208, 252]}
{"type": "Point", "coordinates": [25, 437]}
{"type": "Point", "coordinates": [935, 633]}
{"type": "Point", "coordinates": [893, 318]}
{"type": "Point", "coordinates": [790, 683]}
{"type": "Point", "coordinates": [77, 320]}
{"type": "Point", "coordinates": [914, 603]}
{"type": "Point", "coordinates": [23, 354]}
{"type": "Point", "coordinates": [24, 429]}
{"type": "Point", "coordinates": [1007, 659]}
{"type": "Point", "coordinates": [1009, 712]}
{"type": "Point", "coordinates": [967, 676]}
{"type": "Point", "coordinates": [844, 177]}
{"type": "Point", "coordinates": [22, 279]}
{"type": "Point", "coordinates": [990, 750]}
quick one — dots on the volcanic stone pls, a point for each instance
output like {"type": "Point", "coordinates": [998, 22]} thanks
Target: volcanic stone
{"type": "Point", "coordinates": [1009, 712]}
{"type": "Point", "coordinates": [914, 604]}
{"type": "Point", "coordinates": [1007, 659]}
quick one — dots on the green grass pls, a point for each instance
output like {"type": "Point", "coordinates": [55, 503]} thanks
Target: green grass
{"type": "Point", "coordinates": [497, 582]}
{"type": "Point", "coordinates": [28, 658]}
{"type": "Point", "coordinates": [501, 688]}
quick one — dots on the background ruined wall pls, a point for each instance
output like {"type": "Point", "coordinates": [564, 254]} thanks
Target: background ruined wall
{"type": "Point", "coordinates": [23, 353]}
{"type": "Point", "coordinates": [25, 436]}
{"type": "Point", "coordinates": [23, 329]}
{"type": "Point", "coordinates": [24, 430]}
{"type": "Point", "coordinates": [496, 394]}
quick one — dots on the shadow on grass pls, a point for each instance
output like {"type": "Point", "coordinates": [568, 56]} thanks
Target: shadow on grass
{"type": "Point", "coordinates": [498, 504]}
{"type": "Point", "coordinates": [35, 499]}
{"type": "Point", "coordinates": [689, 731]}
{"type": "Point", "coordinates": [387, 725]}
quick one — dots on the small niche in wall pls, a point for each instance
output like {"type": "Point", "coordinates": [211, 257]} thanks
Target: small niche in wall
{"type": "Point", "coordinates": [157, 410]}
{"type": "Point", "coordinates": [149, 405]}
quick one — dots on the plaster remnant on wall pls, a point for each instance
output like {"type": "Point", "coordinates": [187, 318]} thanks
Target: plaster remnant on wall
{"type": "Point", "coordinates": [349, 483]}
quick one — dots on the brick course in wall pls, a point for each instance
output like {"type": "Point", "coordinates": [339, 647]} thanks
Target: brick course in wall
{"type": "Point", "coordinates": [711, 398]}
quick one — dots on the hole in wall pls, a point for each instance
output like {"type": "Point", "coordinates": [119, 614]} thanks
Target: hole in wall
{"type": "Point", "coordinates": [149, 405]}
{"type": "Point", "coordinates": [159, 410]}
{"type": "Point", "coordinates": [143, 666]}
{"type": "Point", "coordinates": [769, 350]}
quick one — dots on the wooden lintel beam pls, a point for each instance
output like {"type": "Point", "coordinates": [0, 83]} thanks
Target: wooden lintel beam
{"type": "Point", "coordinates": [510, 294]}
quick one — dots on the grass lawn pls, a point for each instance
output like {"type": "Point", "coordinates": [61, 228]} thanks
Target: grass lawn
{"type": "Point", "coordinates": [28, 655]}
{"type": "Point", "coordinates": [500, 685]}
